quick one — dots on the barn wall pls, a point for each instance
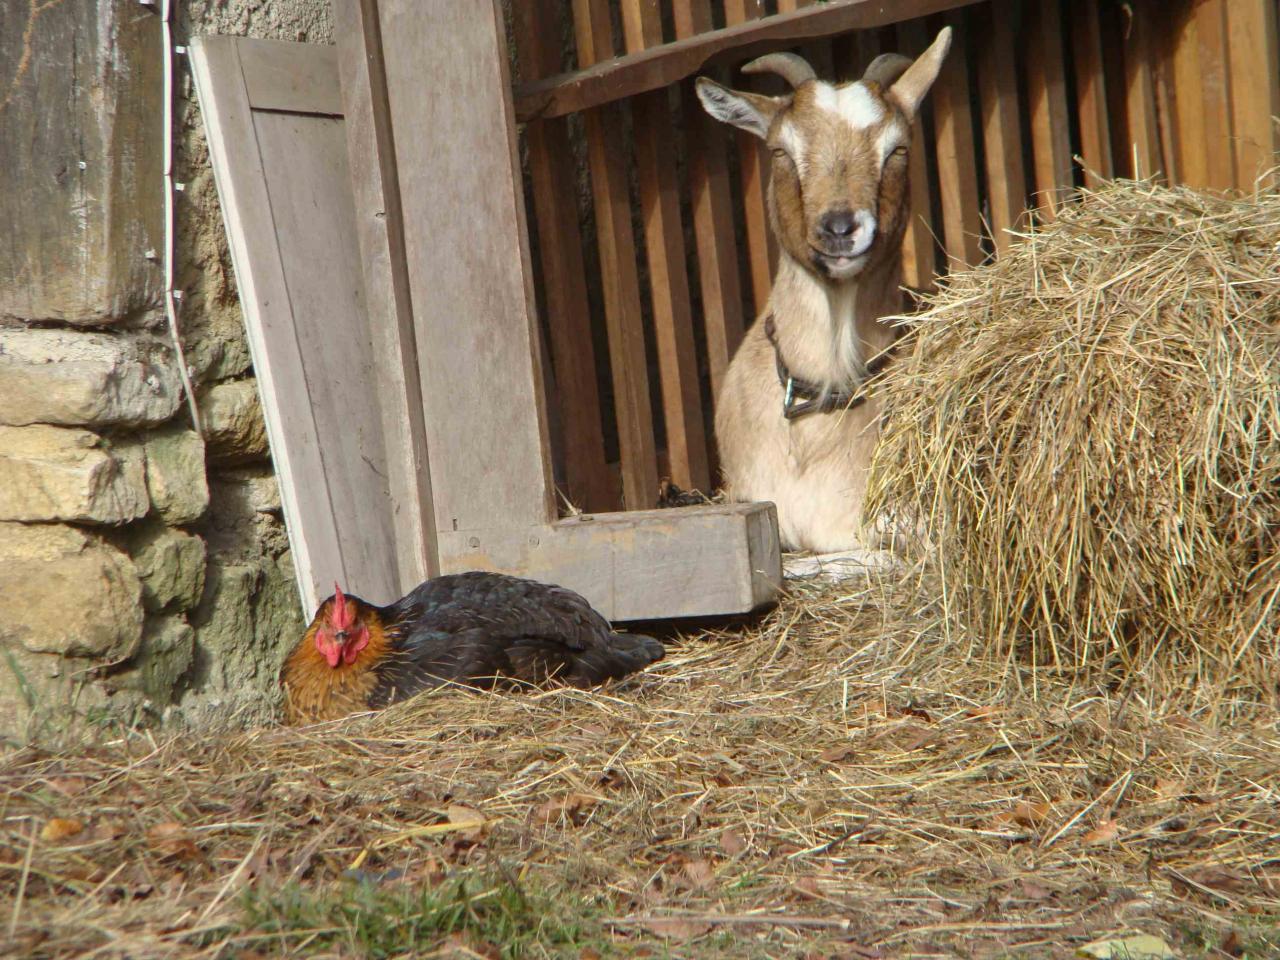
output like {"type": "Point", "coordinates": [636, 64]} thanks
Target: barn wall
{"type": "Point", "coordinates": [144, 568]}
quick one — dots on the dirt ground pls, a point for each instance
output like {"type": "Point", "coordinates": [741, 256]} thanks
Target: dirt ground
{"type": "Point", "coordinates": [840, 777]}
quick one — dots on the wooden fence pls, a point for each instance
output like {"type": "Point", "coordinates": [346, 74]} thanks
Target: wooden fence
{"type": "Point", "coordinates": [648, 219]}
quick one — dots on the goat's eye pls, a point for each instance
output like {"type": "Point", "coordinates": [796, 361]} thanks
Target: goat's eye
{"type": "Point", "coordinates": [780, 154]}
{"type": "Point", "coordinates": [898, 152]}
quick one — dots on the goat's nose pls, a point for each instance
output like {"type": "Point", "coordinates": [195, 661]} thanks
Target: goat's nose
{"type": "Point", "coordinates": [838, 224]}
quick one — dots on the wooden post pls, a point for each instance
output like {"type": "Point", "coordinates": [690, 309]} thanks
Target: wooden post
{"type": "Point", "coordinates": [1002, 136]}
{"type": "Point", "coordinates": [919, 249]}
{"type": "Point", "coordinates": [953, 133]}
{"type": "Point", "coordinates": [1255, 87]}
{"type": "Point", "coordinates": [1091, 93]}
{"type": "Point", "coordinates": [1047, 91]}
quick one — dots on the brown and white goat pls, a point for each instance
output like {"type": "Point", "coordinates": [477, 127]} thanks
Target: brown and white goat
{"type": "Point", "coordinates": [789, 422]}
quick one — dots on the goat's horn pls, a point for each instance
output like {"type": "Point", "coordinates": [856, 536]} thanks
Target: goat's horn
{"type": "Point", "coordinates": [788, 66]}
{"type": "Point", "coordinates": [887, 68]}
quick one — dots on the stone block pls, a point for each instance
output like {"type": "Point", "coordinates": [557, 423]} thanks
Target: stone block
{"type": "Point", "coordinates": [232, 420]}
{"type": "Point", "coordinates": [60, 473]}
{"type": "Point", "coordinates": [163, 658]}
{"type": "Point", "coordinates": [255, 489]}
{"type": "Point", "coordinates": [43, 693]}
{"type": "Point", "coordinates": [176, 478]}
{"type": "Point", "coordinates": [67, 591]}
{"type": "Point", "coordinates": [77, 378]}
{"type": "Point", "coordinates": [81, 151]}
{"type": "Point", "coordinates": [170, 565]}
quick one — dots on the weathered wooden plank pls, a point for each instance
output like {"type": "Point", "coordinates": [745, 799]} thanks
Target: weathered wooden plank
{"type": "Point", "coordinates": [302, 78]}
{"type": "Point", "coordinates": [688, 562]}
{"type": "Point", "coordinates": [1001, 130]}
{"type": "Point", "coordinates": [283, 182]}
{"type": "Point", "coordinates": [1212, 57]}
{"type": "Point", "coordinates": [590, 484]}
{"type": "Point", "coordinates": [471, 290]}
{"type": "Point", "coordinates": [1255, 87]}
{"type": "Point", "coordinates": [1188, 99]}
{"type": "Point", "coordinates": [618, 277]}
{"type": "Point", "coordinates": [1091, 92]}
{"type": "Point", "coordinates": [1140, 93]}
{"type": "Point", "coordinates": [919, 248]}
{"type": "Point", "coordinates": [380, 232]}
{"type": "Point", "coordinates": [624, 77]}
{"type": "Point", "coordinates": [953, 132]}
{"type": "Point", "coordinates": [668, 277]}
{"type": "Point", "coordinates": [1047, 95]}
{"type": "Point", "coordinates": [754, 166]}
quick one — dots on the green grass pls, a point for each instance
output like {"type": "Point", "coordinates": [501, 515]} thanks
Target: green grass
{"type": "Point", "coordinates": [490, 913]}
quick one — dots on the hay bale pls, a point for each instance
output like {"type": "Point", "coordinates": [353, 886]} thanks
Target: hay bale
{"type": "Point", "coordinates": [1090, 430]}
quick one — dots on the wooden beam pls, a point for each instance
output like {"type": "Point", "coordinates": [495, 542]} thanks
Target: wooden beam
{"type": "Point", "coordinates": [646, 564]}
{"type": "Point", "coordinates": [1255, 87]}
{"type": "Point", "coordinates": [652, 69]}
{"type": "Point", "coordinates": [1188, 98]}
{"type": "Point", "coordinates": [1001, 131]}
{"type": "Point", "coordinates": [919, 247]}
{"type": "Point", "coordinates": [471, 286]}
{"type": "Point", "coordinates": [389, 306]}
{"type": "Point", "coordinates": [1219, 146]}
{"type": "Point", "coordinates": [1140, 93]}
{"type": "Point", "coordinates": [1047, 93]}
{"type": "Point", "coordinates": [590, 485]}
{"type": "Point", "coordinates": [1091, 93]}
{"type": "Point", "coordinates": [668, 268]}
{"type": "Point", "coordinates": [953, 134]}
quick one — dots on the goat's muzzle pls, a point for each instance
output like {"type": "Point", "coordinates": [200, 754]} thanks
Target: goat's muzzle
{"type": "Point", "coordinates": [843, 238]}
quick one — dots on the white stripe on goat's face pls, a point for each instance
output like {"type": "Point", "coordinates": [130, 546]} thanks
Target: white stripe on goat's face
{"type": "Point", "coordinates": [839, 176]}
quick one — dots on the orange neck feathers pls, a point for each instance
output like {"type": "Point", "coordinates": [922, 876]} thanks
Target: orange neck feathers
{"type": "Point", "coordinates": [315, 691]}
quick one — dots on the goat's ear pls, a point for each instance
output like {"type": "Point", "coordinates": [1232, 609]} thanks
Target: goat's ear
{"type": "Point", "coordinates": [753, 112]}
{"type": "Point", "coordinates": [886, 69]}
{"type": "Point", "coordinates": [910, 89]}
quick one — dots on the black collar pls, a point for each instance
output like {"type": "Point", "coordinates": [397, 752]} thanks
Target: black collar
{"type": "Point", "coordinates": [802, 397]}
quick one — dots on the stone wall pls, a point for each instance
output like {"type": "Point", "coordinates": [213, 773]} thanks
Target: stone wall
{"type": "Point", "coordinates": [144, 568]}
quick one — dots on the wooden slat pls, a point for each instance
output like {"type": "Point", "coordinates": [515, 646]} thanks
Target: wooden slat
{"type": "Point", "coordinates": [919, 248]}
{"type": "Point", "coordinates": [1140, 93]}
{"type": "Point", "coordinates": [1047, 96]}
{"type": "Point", "coordinates": [283, 182]}
{"type": "Point", "coordinates": [953, 131]}
{"type": "Point", "coordinates": [668, 277]}
{"type": "Point", "coordinates": [1001, 131]}
{"type": "Point", "coordinates": [1255, 86]}
{"type": "Point", "coordinates": [1091, 92]}
{"type": "Point", "coordinates": [468, 260]}
{"type": "Point", "coordinates": [672, 62]}
{"type": "Point", "coordinates": [289, 76]}
{"type": "Point", "coordinates": [1188, 101]}
{"type": "Point", "coordinates": [711, 201]}
{"type": "Point", "coordinates": [1212, 56]}
{"type": "Point", "coordinates": [588, 478]}
{"type": "Point", "coordinates": [647, 564]}
{"type": "Point", "coordinates": [1162, 38]}
{"type": "Point", "coordinates": [380, 229]}
{"type": "Point", "coordinates": [762, 251]}
{"type": "Point", "coordinates": [619, 282]}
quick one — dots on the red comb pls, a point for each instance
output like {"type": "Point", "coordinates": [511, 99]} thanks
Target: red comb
{"type": "Point", "coordinates": [341, 617]}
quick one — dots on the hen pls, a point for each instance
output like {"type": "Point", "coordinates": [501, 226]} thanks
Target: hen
{"type": "Point", "coordinates": [470, 628]}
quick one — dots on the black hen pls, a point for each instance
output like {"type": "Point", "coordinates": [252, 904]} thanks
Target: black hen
{"type": "Point", "coordinates": [472, 628]}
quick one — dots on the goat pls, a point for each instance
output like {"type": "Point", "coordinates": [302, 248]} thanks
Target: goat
{"type": "Point", "coordinates": [793, 421]}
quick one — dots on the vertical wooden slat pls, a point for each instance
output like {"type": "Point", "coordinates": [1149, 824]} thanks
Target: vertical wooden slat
{"type": "Point", "coordinates": [1188, 101]}
{"type": "Point", "coordinates": [1047, 96]}
{"type": "Point", "coordinates": [919, 251]}
{"type": "Point", "coordinates": [1091, 92]}
{"type": "Point", "coordinates": [1001, 132]}
{"type": "Point", "coordinates": [1219, 149]}
{"type": "Point", "coordinates": [953, 130]}
{"type": "Point", "coordinates": [668, 279]}
{"type": "Point", "coordinates": [618, 278]}
{"type": "Point", "coordinates": [754, 162]}
{"type": "Point", "coordinates": [590, 485]}
{"type": "Point", "coordinates": [712, 206]}
{"type": "Point", "coordinates": [1255, 86]}
{"type": "Point", "coordinates": [1140, 92]}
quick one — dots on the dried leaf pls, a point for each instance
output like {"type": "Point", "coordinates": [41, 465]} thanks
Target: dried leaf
{"type": "Point", "coordinates": [108, 829]}
{"type": "Point", "coordinates": [808, 888]}
{"type": "Point", "coordinates": [475, 826]}
{"type": "Point", "coordinates": [982, 713]}
{"type": "Point", "coordinates": [732, 843]}
{"type": "Point", "coordinates": [587, 953]}
{"type": "Point", "coordinates": [700, 874]}
{"type": "Point", "coordinates": [60, 828]}
{"type": "Point", "coordinates": [1104, 832]}
{"type": "Point", "coordinates": [1140, 947]}
{"type": "Point", "coordinates": [573, 807]}
{"type": "Point", "coordinates": [1169, 789]}
{"type": "Point", "coordinates": [68, 786]}
{"type": "Point", "coordinates": [1034, 891]}
{"type": "Point", "coordinates": [839, 754]}
{"type": "Point", "coordinates": [1025, 813]}
{"type": "Point", "coordinates": [1209, 881]}
{"type": "Point", "coordinates": [172, 841]}
{"type": "Point", "coordinates": [676, 928]}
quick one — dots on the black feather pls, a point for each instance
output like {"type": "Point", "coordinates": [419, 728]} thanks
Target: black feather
{"type": "Point", "coordinates": [480, 628]}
